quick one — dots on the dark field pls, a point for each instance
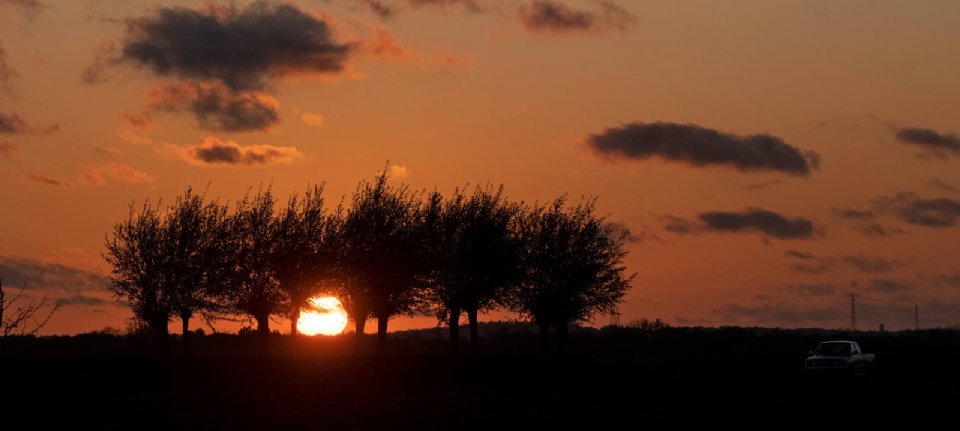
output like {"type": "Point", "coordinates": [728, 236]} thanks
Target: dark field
{"type": "Point", "coordinates": [623, 378]}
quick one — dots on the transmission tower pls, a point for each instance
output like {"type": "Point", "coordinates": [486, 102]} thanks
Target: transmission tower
{"type": "Point", "coordinates": [615, 317]}
{"type": "Point", "coordinates": [916, 317]}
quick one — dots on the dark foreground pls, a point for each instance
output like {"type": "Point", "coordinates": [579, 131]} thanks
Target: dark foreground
{"type": "Point", "coordinates": [626, 386]}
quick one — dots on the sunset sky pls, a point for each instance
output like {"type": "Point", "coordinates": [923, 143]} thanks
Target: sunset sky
{"type": "Point", "coordinates": [770, 158]}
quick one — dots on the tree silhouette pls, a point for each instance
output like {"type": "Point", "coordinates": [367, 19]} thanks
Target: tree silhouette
{"type": "Point", "coordinates": [18, 316]}
{"type": "Point", "coordinates": [474, 256]}
{"type": "Point", "coordinates": [381, 258]}
{"type": "Point", "coordinates": [138, 275]}
{"type": "Point", "coordinates": [193, 258]}
{"type": "Point", "coordinates": [302, 250]}
{"type": "Point", "coordinates": [252, 288]}
{"type": "Point", "coordinates": [573, 266]}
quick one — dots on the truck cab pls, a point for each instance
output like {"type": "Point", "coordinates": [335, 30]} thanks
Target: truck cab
{"type": "Point", "coordinates": [839, 355]}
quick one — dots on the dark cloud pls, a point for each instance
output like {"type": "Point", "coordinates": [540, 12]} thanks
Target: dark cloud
{"type": "Point", "coordinates": [34, 274]}
{"type": "Point", "coordinates": [553, 17]}
{"type": "Point", "coordinates": [934, 142]}
{"type": "Point", "coordinates": [217, 107]}
{"type": "Point", "coordinates": [243, 48]}
{"type": "Point", "coordinates": [379, 8]}
{"type": "Point", "coordinates": [760, 220]}
{"type": "Point", "coordinates": [878, 230]}
{"type": "Point", "coordinates": [886, 286]}
{"type": "Point", "coordinates": [952, 280]}
{"type": "Point", "coordinates": [910, 208]}
{"type": "Point", "coordinates": [810, 268]}
{"type": "Point", "coordinates": [698, 146]}
{"type": "Point", "coordinates": [799, 254]}
{"type": "Point", "coordinates": [8, 149]}
{"type": "Point", "coordinates": [942, 186]}
{"type": "Point", "coordinates": [50, 181]}
{"type": "Point", "coordinates": [680, 225]}
{"type": "Point", "coordinates": [7, 74]}
{"type": "Point", "coordinates": [872, 264]}
{"type": "Point", "coordinates": [852, 214]}
{"type": "Point", "coordinates": [643, 235]}
{"type": "Point", "coordinates": [815, 289]}
{"type": "Point", "coordinates": [781, 314]}
{"type": "Point", "coordinates": [85, 300]}
{"type": "Point", "coordinates": [470, 5]}
{"type": "Point", "coordinates": [29, 8]}
{"type": "Point", "coordinates": [12, 123]}
{"type": "Point", "coordinates": [214, 152]}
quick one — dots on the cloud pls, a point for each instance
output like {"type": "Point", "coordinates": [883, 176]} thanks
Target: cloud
{"type": "Point", "coordinates": [942, 186]}
{"type": "Point", "coordinates": [886, 286]}
{"type": "Point", "coordinates": [935, 143]}
{"type": "Point", "coordinates": [29, 8]}
{"type": "Point", "coordinates": [99, 175]}
{"type": "Point", "coordinates": [680, 225]}
{"type": "Point", "coordinates": [910, 208]}
{"type": "Point", "coordinates": [7, 74]}
{"type": "Point", "coordinates": [12, 124]}
{"type": "Point", "coordinates": [641, 235]}
{"type": "Point", "coordinates": [109, 151]}
{"type": "Point", "coordinates": [816, 289]}
{"type": "Point", "coordinates": [799, 254]}
{"type": "Point", "coordinates": [872, 264]}
{"type": "Point", "coordinates": [701, 147]}
{"type": "Point", "coordinates": [810, 268]}
{"type": "Point", "coordinates": [379, 7]}
{"type": "Point", "coordinates": [852, 214]}
{"type": "Point", "coordinates": [36, 274]}
{"type": "Point", "coordinates": [85, 300]}
{"type": "Point", "coordinates": [50, 181]}
{"type": "Point", "coordinates": [398, 171]}
{"type": "Point", "coordinates": [214, 152]}
{"type": "Point", "coordinates": [952, 280]}
{"type": "Point", "coordinates": [312, 120]}
{"type": "Point", "coordinates": [878, 230]}
{"type": "Point", "coordinates": [553, 17]}
{"type": "Point", "coordinates": [243, 48]}
{"type": "Point", "coordinates": [8, 149]}
{"type": "Point", "coordinates": [760, 220]}
{"type": "Point", "coordinates": [217, 107]}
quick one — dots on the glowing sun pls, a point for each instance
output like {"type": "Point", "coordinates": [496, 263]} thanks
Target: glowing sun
{"type": "Point", "coordinates": [326, 316]}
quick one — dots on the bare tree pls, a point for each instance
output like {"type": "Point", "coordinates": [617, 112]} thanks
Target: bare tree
{"type": "Point", "coordinates": [573, 267]}
{"type": "Point", "coordinates": [474, 256]}
{"type": "Point", "coordinates": [22, 316]}
{"type": "Point", "coordinates": [138, 275]}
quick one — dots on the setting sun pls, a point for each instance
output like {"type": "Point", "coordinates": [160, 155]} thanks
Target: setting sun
{"type": "Point", "coordinates": [325, 316]}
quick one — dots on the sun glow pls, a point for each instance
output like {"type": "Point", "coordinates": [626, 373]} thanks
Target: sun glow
{"type": "Point", "coordinates": [325, 316]}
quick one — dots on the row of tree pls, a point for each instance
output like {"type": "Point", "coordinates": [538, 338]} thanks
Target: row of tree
{"type": "Point", "coordinates": [392, 252]}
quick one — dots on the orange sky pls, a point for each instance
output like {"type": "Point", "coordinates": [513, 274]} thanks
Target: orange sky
{"type": "Point", "coordinates": [455, 92]}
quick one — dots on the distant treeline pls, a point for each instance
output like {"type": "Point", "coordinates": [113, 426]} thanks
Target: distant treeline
{"type": "Point", "coordinates": [393, 251]}
{"type": "Point", "coordinates": [644, 341]}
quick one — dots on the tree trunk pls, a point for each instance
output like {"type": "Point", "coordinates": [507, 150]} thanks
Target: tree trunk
{"type": "Point", "coordinates": [163, 338]}
{"type": "Point", "coordinates": [474, 332]}
{"type": "Point", "coordinates": [294, 319]}
{"type": "Point", "coordinates": [562, 330]}
{"type": "Point", "coordinates": [185, 325]}
{"type": "Point", "coordinates": [358, 336]}
{"type": "Point", "coordinates": [455, 331]}
{"type": "Point", "coordinates": [544, 338]}
{"type": "Point", "coordinates": [382, 334]}
{"type": "Point", "coordinates": [263, 334]}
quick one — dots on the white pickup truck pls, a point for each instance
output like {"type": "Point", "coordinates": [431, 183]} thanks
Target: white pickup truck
{"type": "Point", "coordinates": [840, 355]}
